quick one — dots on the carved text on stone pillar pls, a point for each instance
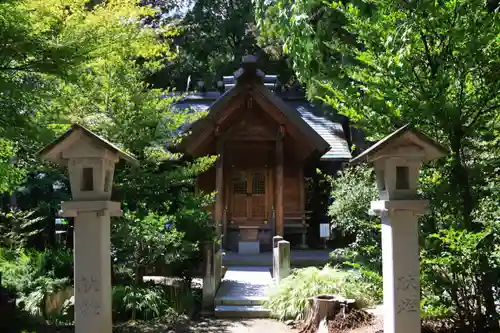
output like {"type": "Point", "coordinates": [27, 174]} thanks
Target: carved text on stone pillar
{"type": "Point", "coordinates": [407, 288]}
{"type": "Point", "coordinates": [87, 284]}
{"type": "Point", "coordinates": [87, 295]}
{"type": "Point", "coordinates": [408, 283]}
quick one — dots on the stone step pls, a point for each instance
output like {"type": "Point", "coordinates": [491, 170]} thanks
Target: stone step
{"type": "Point", "coordinates": [239, 300]}
{"type": "Point", "coordinates": [241, 311]}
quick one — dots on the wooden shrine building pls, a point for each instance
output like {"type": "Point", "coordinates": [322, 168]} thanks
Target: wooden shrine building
{"type": "Point", "coordinates": [263, 142]}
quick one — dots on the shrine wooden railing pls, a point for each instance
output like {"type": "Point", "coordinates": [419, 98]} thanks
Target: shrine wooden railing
{"type": "Point", "coordinates": [296, 222]}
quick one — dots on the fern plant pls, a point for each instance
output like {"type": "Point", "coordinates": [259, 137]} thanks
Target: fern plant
{"type": "Point", "coordinates": [149, 302]}
{"type": "Point", "coordinates": [31, 276]}
{"type": "Point", "coordinates": [17, 227]}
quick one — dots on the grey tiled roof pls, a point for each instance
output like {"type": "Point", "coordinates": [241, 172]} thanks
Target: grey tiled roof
{"type": "Point", "coordinates": [331, 132]}
{"type": "Point", "coordinates": [193, 105]}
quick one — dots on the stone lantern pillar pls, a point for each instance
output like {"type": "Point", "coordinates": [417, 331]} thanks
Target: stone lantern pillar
{"type": "Point", "coordinates": [397, 160]}
{"type": "Point", "coordinates": [91, 162]}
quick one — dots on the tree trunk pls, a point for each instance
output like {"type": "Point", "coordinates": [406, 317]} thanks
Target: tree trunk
{"type": "Point", "coordinates": [323, 308]}
{"type": "Point", "coordinates": [460, 177]}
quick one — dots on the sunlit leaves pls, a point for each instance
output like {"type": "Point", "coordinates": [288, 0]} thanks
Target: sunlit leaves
{"type": "Point", "coordinates": [10, 174]}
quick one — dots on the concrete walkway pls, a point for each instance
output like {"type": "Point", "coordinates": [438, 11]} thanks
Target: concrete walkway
{"type": "Point", "coordinates": [244, 283]}
{"type": "Point", "coordinates": [242, 293]}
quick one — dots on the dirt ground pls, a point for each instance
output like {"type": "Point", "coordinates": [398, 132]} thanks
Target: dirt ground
{"type": "Point", "coordinates": [269, 325]}
{"type": "Point", "coordinates": [377, 324]}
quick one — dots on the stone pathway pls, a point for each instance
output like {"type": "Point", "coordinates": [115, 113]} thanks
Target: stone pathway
{"type": "Point", "coordinates": [242, 293]}
{"type": "Point", "coordinates": [244, 283]}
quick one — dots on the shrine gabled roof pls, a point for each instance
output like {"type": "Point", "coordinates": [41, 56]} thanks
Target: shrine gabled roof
{"type": "Point", "coordinates": [332, 132]}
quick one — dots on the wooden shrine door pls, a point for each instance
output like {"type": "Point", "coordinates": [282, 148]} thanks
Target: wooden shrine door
{"type": "Point", "coordinates": [248, 196]}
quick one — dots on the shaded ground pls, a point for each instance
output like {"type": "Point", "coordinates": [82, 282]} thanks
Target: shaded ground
{"type": "Point", "coordinates": [240, 326]}
{"type": "Point", "coordinates": [211, 326]}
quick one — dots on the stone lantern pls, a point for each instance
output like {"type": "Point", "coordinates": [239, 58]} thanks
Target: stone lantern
{"type": "Point", "coordinates": [397, 160]}
{"type": "Point", "coordinates": [91, 162]}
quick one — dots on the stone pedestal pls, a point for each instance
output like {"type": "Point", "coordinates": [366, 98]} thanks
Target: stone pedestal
{"type": "Point", "coordinates": [250, 247]}
{"type": "Point", "coordinates": [283, 260]}
{"type": "Point", "coordinates": [92, 261]}
{"type": "Point", "coordinates": [218, 268]}
{"type": "Point", "coordinates": [400, 261]}
{"type": "Point", "coordinates": [276, 239]}
{"type": "Point", "coordinates": [209, 280]}
{"type": "Point", "coordinates": [249, 240]}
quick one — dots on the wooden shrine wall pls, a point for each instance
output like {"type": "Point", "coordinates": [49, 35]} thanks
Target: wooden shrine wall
{"type": "Point", "coordinates": [257, 156]}
{"type": "Point", "coordinates": [291, 188]}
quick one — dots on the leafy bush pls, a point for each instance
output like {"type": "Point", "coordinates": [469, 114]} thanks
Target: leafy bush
{"type": "Point", "coordinates": [290, 299]}
{"type": "Point", "coordinates": [143, 239]}
{"type": "Point", "coordinates": [452, 278]}
{"type": "Point", "coordinates": [352, 191]}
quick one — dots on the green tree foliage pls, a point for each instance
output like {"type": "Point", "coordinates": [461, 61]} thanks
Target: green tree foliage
{"type": "Point", "coordinates": [88, 62]}
{"type": "Point", "coordinates": [213, 37]}
{"type": "Point", "coordinates": [434, 64]}
{"type": "Point", "coordinates": [10, 174]}
{"type": "Point", "coordinates": [352, 191]}
{"type": "Point", "coordinates": [45, 45]}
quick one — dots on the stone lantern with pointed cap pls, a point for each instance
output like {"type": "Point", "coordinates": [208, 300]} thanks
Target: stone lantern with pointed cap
{"type": "Point", "coordinates": [397, 160]}
{"type": "Point", "coordinates": [91, 162]}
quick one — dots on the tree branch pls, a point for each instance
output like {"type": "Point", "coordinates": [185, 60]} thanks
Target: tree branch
{"type": "Point", "coordinates": [428, 55]}
{"type": "Point", "coordinates": [479, 114]}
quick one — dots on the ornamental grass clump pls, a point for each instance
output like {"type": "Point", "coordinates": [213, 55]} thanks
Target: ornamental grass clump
{"type": "Point", "coordinates": [289, 300]}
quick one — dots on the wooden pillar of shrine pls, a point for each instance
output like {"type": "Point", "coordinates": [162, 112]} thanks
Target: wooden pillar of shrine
{"type": "Point", "coordinates": [219, 185]}
{"type": "Point", "coordinates": [280, 223]}
{"type": "Point", "coordinates": [303, 238]}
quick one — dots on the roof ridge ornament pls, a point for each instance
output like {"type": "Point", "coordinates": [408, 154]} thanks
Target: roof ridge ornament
{"type": "Point", "coordinates": [248, 71]}
{"type": "Point", "coordinates": [249, 59]}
